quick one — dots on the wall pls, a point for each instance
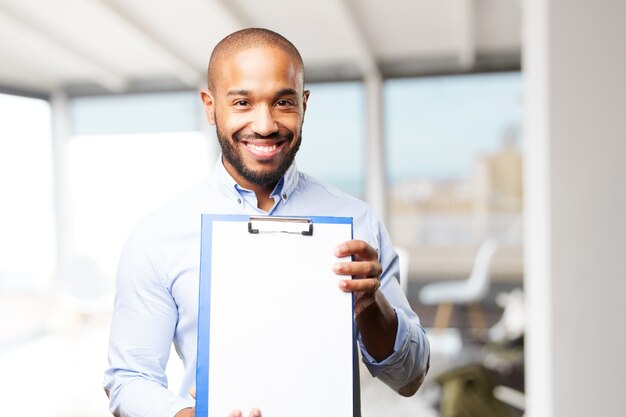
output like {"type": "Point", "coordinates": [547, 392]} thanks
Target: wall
{"type": "Point", "coordinates": [575, 74]}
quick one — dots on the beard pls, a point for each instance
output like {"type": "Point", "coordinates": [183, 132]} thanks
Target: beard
{"type": "Point", "coordinates": [264, 178]}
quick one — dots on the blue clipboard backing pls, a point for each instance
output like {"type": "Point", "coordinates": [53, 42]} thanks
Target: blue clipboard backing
{"type": "Point", "coordinates": [204, 311]}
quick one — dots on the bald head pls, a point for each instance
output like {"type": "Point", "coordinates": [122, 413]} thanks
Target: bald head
{"type": "Point", "coordinates": [247, 39]}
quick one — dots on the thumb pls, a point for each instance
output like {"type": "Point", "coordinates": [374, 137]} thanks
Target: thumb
{"type": "Point", "coordinates": [192, 392]}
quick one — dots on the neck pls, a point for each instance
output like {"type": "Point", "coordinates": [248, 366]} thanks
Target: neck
{"type": "Point", "coordinates": [264, 201]}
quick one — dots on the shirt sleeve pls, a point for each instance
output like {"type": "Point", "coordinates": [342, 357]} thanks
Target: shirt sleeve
{"type": "Point", "coordinates": [142, 328]}
{"type": "Point", "coordinates": [410, 359]}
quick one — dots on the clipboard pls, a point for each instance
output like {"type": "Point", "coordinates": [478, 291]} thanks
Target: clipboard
{"type": "Point", "coordinates": [274, 329]}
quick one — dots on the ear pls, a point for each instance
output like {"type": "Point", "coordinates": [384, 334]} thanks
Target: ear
{"type": "Point", "coordinates": [209, 104]}
{"type": "Point", "coordinates": [305, 99]}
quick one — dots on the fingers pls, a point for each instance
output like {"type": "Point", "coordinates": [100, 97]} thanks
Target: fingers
{"type": "Point", "coordinates": [192, 392]}
{"type": "Point", "coordinates": [365, 269]}
{"type": "Point", "coordinates": [255, 412]}
{"type": "Point", "coordinates": [357, 248]}
{"type": "Point", "coordinates": [366, 285]}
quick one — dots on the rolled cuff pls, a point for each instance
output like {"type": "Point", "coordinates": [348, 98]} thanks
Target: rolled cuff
{"type": "Point", "coordinates": [409, 360]}
{"type": "Point", "coordinates": [142, 398]}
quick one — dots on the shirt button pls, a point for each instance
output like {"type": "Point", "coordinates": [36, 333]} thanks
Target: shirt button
{"type": "Point", "coordinates": [284, 196]}
{"type": "Point", "coordinates": [238, 200]}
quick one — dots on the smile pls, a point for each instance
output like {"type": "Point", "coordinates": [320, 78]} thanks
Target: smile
{"type": "Point", "coordinates": [262, 149]}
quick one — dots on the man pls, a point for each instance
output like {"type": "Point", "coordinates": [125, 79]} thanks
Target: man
{"type": "Point", "coordinates": [257, 101]}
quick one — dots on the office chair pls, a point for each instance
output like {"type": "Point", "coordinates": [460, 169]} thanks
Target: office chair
{"type": "Point", "coordinates": [404, 258]}
{"type": "Point", "coordinates": [468, 292]}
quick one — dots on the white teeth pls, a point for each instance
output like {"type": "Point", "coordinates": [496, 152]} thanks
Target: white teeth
{"type": "Point", "coordinates": [264, 149]}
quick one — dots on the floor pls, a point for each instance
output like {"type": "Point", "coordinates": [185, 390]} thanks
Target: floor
{"type": "Point", "coordinates": [58, 373]}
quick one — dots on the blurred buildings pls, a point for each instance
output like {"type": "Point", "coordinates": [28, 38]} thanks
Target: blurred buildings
{"type": "Point", "coordinates": [442, 221]}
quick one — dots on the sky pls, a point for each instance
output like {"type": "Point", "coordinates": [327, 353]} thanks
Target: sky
{"type": "Point", "coordinates": [433, 126]}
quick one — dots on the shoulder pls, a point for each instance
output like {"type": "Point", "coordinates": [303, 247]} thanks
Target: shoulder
{"type": "Point", "coordinates": [326, 199]}
{"type": "Point", "coordinates": [314, 187]}
{"type": "Point", "coordinates": [178, 215]}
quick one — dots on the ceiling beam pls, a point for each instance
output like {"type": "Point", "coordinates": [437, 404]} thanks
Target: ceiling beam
{"type": "Point", "coordinates": [29, 93]}
{"type": "Point", "coordinates": [230, 8]}
{"type": "Point", "coordinates": [184, 70]}
{"type": "Point", "coordinates": [98, 71]}
{"type": "Point", "coordinates": [21, 73]}
{"type": "Point", "coordinates": [365, 57]}
{"type": "Point", "coordinates": [467, 33]}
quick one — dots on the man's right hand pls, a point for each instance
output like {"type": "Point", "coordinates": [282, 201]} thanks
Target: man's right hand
{"type": "Point", "coordinates": [191, 412]}
{"type": "Point", "coordinates": [255, 412]}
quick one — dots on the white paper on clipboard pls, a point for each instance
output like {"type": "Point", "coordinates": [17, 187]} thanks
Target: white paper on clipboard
{"type": "Point", "coordinates": [274, 330]}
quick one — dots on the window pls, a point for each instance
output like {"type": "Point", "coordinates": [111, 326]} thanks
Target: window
{"type": "Point", "coordinates": [132, 154]}
{"type": "Point", "coordinates": [26, 220]}
{"type": "Point", "coordinates": [454, 166]}
{"type": "Point", "coordinates": [334, 137]}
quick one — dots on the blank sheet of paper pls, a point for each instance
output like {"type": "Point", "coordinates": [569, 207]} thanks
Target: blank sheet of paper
{"type": "Point", "coordinates": [275, 331]}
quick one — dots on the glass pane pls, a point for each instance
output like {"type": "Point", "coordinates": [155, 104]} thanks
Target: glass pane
{"type": "Point", "coordinates": [26, 219]}
{"type": "Point", "coordinates": [333, 136]}
{"type": "Point", "coordinates": [136, 113]}
{"type": "Point", "coordinates": [455, 169]}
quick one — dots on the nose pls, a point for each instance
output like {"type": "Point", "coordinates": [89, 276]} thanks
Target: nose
{"type": "Point", "coordinates": [264, 123]}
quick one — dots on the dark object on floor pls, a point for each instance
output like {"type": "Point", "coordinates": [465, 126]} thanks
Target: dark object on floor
{"type": "Point", "coordinates": [468, 392]}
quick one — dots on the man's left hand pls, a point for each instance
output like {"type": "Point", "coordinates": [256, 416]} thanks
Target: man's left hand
{"type": "Point", "coordinates": [374, 316]}
{"type": "Point", "coordinates": [364, 269]}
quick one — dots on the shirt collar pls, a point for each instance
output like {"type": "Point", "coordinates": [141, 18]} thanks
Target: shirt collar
{"type": "Point", "coordinates": [290, 181]}
{"type": "Point", "coordinates": [224, 182]}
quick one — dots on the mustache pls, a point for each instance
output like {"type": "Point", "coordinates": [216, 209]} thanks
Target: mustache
{"type": "Point", "coordinates": [238, 137]}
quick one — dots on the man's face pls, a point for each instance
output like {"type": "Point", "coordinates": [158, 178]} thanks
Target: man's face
{"type": "Point", "coordinates": [257, 103]}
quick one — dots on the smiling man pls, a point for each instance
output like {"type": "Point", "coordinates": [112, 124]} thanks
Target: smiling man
{"type": "Point", "coordinates": [257, 101]}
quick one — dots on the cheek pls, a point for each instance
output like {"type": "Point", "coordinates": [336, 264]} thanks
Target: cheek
{"type": "Point", "coordinates": [232, 123]}
{"type": "Point", "coordinates": [292, 123]}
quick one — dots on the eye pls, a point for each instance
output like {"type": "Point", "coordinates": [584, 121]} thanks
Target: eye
{"type": "Point", "coordinates": [284, 103]}
{"type": "Point", "coordinates": [242, 103]}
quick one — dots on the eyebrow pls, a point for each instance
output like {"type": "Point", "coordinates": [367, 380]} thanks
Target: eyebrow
{"type": "Point", "coordinates": [279, 93]}
{"type": "Point", "coordinates": [238, 93]}
{"type": "Point", "coordinates": [287, 92]}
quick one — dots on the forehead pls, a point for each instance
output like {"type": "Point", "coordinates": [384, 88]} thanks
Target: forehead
{"type": "Point", "coordinates": [258, 68]}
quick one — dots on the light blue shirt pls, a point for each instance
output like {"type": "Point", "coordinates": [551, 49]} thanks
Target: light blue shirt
{"type": "Point", "coordinates": [157, 289]}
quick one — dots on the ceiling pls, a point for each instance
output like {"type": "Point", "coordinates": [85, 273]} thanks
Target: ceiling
{"type": "Point", "coordinates": [114, 46]}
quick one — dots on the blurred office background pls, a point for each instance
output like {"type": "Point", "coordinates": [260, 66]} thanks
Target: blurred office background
{"type": "Point", "coordinates": [489, 135]}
